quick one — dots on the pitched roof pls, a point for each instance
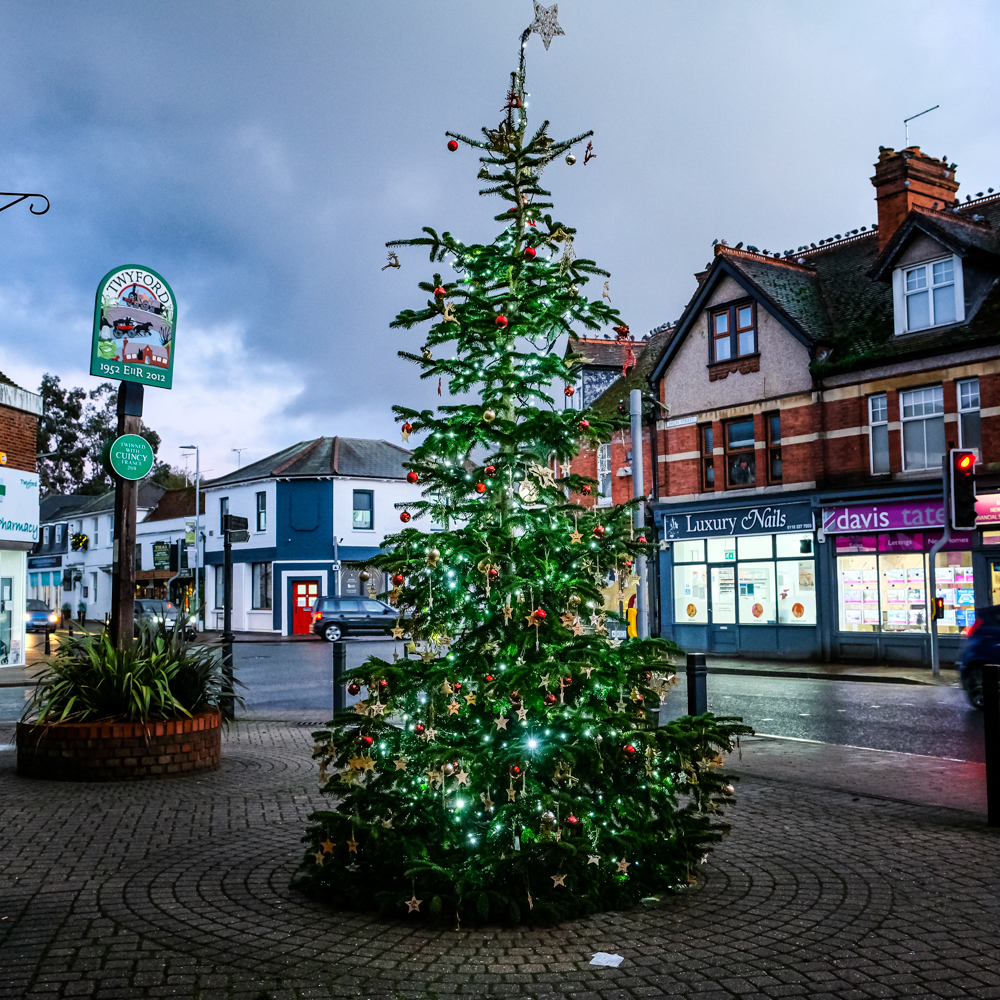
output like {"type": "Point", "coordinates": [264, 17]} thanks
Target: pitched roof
{"type": "Point", "coordinates": [175, 503]}
{"type": "Point", "coordinates": [148, 497]}
{"type": "Point", "coordinates": [602, 353]}
{"type": "Point", "coordinates": [637, 377]}
{"type": "Point", "coordinates": [57, 506]}
{"type": "Point", "coordinates": [326, 456]}
{"type": "Point", "coordinates": [837, 299]}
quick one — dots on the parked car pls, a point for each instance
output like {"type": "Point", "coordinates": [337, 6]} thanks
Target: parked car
{"type": "Point", "coordinates": [39, 617]}
{"type": "Point", "coordinates": [146, 610]}
{"type": "Point", "coordinates": [982, 645]}
{"type": "Point", "coordinates": [334, 617]}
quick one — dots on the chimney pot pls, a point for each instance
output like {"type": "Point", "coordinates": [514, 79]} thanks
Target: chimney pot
{"type": "Point", "coordinates": [906, 180]}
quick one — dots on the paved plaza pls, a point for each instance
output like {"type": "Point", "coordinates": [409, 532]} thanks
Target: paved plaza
{"type": "Point", "coordinates": [180, 888]}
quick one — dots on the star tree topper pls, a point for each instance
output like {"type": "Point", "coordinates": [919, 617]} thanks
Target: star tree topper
{"type": "Point", "coordinates": [546, 23]}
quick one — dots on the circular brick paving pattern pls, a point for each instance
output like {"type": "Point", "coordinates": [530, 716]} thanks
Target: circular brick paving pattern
{"type": "Point", "coordinates": [183, 890]}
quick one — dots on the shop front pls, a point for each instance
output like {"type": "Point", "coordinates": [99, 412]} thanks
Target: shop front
{"type": "Point", "coordinates": [739, 579]}
{"type": "Point", "coordinates": [878, 568]}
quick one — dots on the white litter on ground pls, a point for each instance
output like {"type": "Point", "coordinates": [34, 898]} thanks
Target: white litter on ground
{"type": "Point", "coordinates": [604, 958]}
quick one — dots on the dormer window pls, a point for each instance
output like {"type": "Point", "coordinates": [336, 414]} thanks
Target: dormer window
{"type": "Point", "coordinates": [734, 332]}
{"type": "Point", "coordinates": [928, 295]}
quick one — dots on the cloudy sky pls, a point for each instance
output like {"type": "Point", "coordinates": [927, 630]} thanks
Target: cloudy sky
{"type": "Point", "coordinates": [259, 155]}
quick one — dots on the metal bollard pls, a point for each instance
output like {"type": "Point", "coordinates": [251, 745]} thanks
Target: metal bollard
{"type": "Point", "coordinates": [991, 737]}
{"type": "Point", "coordinates": [697, 687]}
{"type": "Point", "coordinates": [48, 647]}
{"type": "Point", "coordinates": [339, 669]}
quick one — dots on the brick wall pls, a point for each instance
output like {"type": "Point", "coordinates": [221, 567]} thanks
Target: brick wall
{"type": "Point", "coordinates": [18, 438]}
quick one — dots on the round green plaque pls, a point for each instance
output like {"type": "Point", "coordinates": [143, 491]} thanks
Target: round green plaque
{"type": "Point", "coordinates": [128, 457]}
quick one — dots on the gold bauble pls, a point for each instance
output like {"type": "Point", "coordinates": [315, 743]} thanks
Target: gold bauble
{"type": "Point", "coordinates": [571, 159]}
{"type": "Point", "coordinates": [364, 576]}
{"type": "Point", "coordinates": [489, 416]}
{"type": "Point", "coordinates": [433, 555]}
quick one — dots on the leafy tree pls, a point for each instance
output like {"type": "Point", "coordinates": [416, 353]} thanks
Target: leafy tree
{"type": "Point", "coordinates": [62, 454]}
{"type": "Point", "coordinates": [517, 773]}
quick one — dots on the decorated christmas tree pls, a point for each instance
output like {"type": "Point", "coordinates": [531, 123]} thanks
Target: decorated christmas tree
{"type": "Point", "coordinates": [515, 770]}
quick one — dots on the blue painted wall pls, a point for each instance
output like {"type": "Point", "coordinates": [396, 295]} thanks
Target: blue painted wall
{"type": "Point", "coordinates": [304, 519]}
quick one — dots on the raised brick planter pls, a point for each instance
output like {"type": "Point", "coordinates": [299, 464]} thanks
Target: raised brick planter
{"type": "Point", "coordinates": [119, 751]}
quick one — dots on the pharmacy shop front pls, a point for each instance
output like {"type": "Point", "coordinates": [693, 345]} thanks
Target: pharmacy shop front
{"type": "Point", "coordinates": [739, 579]}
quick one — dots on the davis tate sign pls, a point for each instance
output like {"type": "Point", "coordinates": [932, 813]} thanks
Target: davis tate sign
{"type": "Point", "coordinates": [725, 522]}
{"type": "Point", "coordinates": [135, 319]}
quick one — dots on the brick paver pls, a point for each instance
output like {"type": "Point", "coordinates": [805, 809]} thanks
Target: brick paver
{"type": "Point", "coordinates": [179, 888]}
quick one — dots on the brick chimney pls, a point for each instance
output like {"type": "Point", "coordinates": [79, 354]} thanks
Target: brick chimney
{"type": "Point", "coordinates": [909, 179]}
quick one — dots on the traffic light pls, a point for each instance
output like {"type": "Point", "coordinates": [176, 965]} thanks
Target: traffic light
{"type": "Point", "coordinates": [937, 610]}
{"type": "Point", "coordinates": [963, 488]}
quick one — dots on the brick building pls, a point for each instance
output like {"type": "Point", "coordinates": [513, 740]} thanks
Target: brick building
{"type": "Point", "coordinates": [808, 398]}
{"type": "Point", "coordinates": [19, 413]}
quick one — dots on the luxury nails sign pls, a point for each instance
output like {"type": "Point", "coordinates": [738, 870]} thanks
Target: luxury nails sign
{"type": "Point", "coordinates": [726, 522]}
{"type": "Point", "coordinates": [135, 320]}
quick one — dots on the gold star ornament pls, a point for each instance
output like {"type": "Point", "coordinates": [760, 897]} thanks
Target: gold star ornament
{"type": "Point", "coordinates": [546, 24]}
{"type": "Point", "coordinates": [622, 866]}
{"type": "Point", "coordinates": [414, 904]}
{"type": "Point", "coordinates": [352, 847]}
{"type": "Point", "coordinates": [501, 722]}
{"type": "Point", "coordinates": [558, 880]}
{"type": "Point", "coordinates": [328, 845]}
{"type": "Point", "coordinates": [397, 632]}
{"type": "Point", "coordinates": [575, 537]}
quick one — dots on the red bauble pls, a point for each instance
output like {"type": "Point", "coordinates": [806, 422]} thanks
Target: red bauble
{"type": "Point", "coordinates": [501, 321]}
{"type": "Point", "coordinates": [411, 477]}
{"type": "Point", "coordinates": [457, 686]}
{"type": "Point", "coordinates": [540, 613]}
{"type": "Point", "coordinates": [530, 252]}
{"type": "Point", "coordinates": [452, 145]}
{"type": "Point", "coordinates": [584, 424]}
{"type": "Point", "coordinates": [567, 681]}
{"type": "Point", "coordinates": [514, 770]}
{"type": "Point", "coordinates": [353, 688]}
{"type": "Point", "coordinates": [569, 391]}
{"type": "Point", "coordinates": [628, 562]}
{"type": "Point", "coordinates": [489, 678]}
{"type": "Point", "coordinates": [630, 750]}
{"type": "Point", "coordinates": [642, 539]}
{"type": "Point", "coordinates": [480, 487]}
{"type": "Point", "coordinates": [494, 572]}
{"type": "Point", "coordinates": [550, 699]}
{"type": "Point", "coordinates": [405, 516]}
{"type": "Point", "coordinates": [398, 579]}
{"type": "Point", "coordinates": [439, 292]}
{"type": "Point", "coordinates": [585, 490]}
{"type": "Point", "coordinates": [599, 531]}
{"type": "Point", "coordinates": [571, 820]}
{"type": "Point", "coordinates": [383, 683]}
{"type": "Point", "coordinates": [515, 697]}
{"type": "Point", "coordinates": [367, 740]}
{"type": "Point", "coordinates": [490, 470]}
{"type": "Point", "coordinates": [419, 728]}
{"type": "Point", "coordinates": [407, 428]}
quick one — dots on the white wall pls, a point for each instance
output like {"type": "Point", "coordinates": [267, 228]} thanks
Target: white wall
{"type": "Point", "coordinates": [386, 518]}
{"type": "Point", "coordinates": [242, 503]}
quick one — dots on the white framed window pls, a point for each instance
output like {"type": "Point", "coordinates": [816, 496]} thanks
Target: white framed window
{"type": "Point", "coordinates": [968, 414]}
{"type": "Point", "coordinates": [604, 475]}
{"type": "Point", "coordinates": [928, 295]}
{"type": "Point", "coordinates": [45, 536]}
{"type": "Point", "coordinates": [922, 414]}
{"type": "Point", "coordinates": [878, 433]}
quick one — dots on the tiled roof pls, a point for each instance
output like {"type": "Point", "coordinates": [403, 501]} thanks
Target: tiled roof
{"type": "Point", "coordinates": [638, 377]}
{"type": "Point", "coordinates": [601, 353]}
{"type": "Point", "coordinates": [326, 456]}
{"type": "Point", "coordinates": [59, 506]}
{"type": "Point", "coordinates": [837, 297]}
{"type": "Point", "coordinates": [148, 497]}
{"type": "Point", "coordinates": [175, 503]}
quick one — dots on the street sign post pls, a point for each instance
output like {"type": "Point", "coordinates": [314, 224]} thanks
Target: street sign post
{"type": "Point", "coordinates": [135, 320]}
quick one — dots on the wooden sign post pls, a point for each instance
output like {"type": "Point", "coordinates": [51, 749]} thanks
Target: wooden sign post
{"type": "Point", "coordinates": [135, 321]}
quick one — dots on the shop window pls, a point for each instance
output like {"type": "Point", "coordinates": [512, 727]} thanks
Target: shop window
{"type": "Point", "coordinates": [756, 596]}
{"type": "Point", "coordinates": [724, 595]}
{"type": "Point", "coordinates": [968, 414]}
{"type": "Point", "coordinates": [721, 550]}
{"type": "Point", "coordinates": [922, 415]}
{"type": "Point", "coordinates": [689, 550]}
{"type": "Point", "coordinates": [261, 576]}
{"type": "Point", "coordinates": [363, 504]}
{"type": "Point", "coordinates": [706, 442]}
{"type": "Point", "coordinates": [953, 583]}
{"type": "Point", "coordinates": [262, 512]}
{"type": "Point", "coordinates": [796, 591]}
{"type": "Point", "coordinates": [788, 546]}
{"type": "Point", "coordinates": [755, 546]}
{"type": "Point", "coordinates": [741, 462]}
{"type": "Point", "coordinates": [604, 475]}
{"type": "Point", "coordinates": [690, 596]}
{"type": "Point", "coordinates": [878, 433]}
{"type": "Point", "coordinates": [734, 332]}
{"type": "Point", "coordinates": [772, 424]}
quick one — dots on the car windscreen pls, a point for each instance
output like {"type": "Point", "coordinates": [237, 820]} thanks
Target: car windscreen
{"type": "Point", "coordinates": [157, 607]}
{"type": "Point", "coordinates": [372, 607]}
{"type": "Point", "coordinates": [38, 606]}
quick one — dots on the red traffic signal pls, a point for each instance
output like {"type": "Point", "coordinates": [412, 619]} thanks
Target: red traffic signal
{"type": "Point", "coordinates": [937, 609]}
{"type": "Point", "coordinates": [963, 488]}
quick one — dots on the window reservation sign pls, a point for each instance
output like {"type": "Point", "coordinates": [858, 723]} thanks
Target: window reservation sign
{"type": "Point", "coordinates": [135, 319]}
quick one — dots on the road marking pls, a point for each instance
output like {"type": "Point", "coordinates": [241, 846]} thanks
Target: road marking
{"type": "Point", "coordinates": [851, 746]}
{"type": "Point", "coordinates": [804, 715]}
{"type": "Point", "coordinates": [767, 720]}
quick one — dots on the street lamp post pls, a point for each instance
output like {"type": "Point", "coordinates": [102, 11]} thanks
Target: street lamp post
{"type": "Point", "coordinates": [197, 526]}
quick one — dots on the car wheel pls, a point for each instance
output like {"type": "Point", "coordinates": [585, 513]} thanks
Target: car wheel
{"type": "Point", "coordinates": [332, 632]}
{"type": "Point", "coordinates": [974, 687]}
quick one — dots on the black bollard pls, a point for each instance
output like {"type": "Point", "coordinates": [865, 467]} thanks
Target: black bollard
{"type": "Point", "coordinates": [339, 669]}
{"type": "Point", "coordinates": [48, 647]}
{"type": "Point", "coordinates": [991, 737]}
{"type": "Point", "coordinates": [697, 688]}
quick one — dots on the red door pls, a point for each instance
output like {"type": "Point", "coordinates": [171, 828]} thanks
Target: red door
{"type": "Point", "coordinates": [304, 594]}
